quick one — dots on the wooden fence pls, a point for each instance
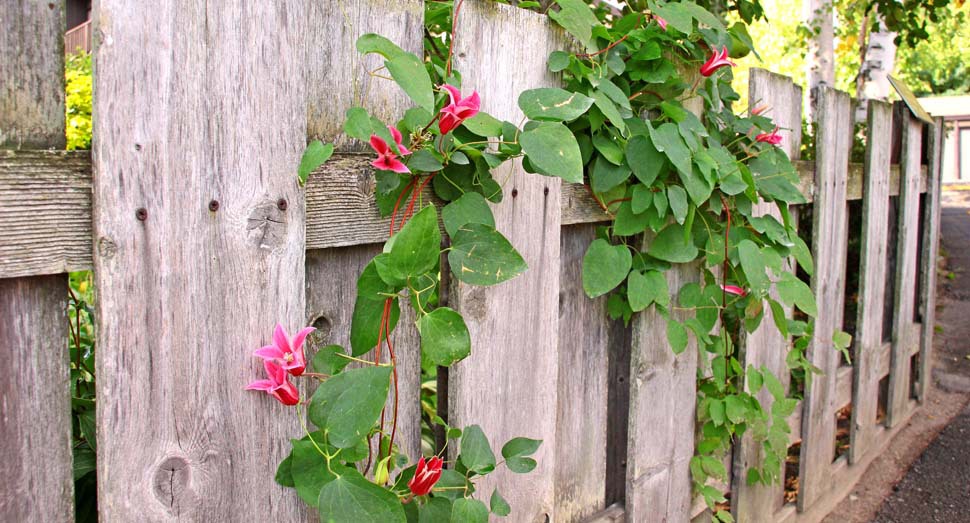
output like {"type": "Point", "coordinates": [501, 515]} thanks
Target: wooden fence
{"type": "Point", "coordinates": [199, 103]}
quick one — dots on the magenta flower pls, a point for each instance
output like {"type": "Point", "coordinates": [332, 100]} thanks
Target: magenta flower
{"type": "Point", "coordinates": [717, 60]}
{"type": "Point", "coordinates": [286, 351]}
{"type": "Point", "coordinates": [425, 476]}
{"type": "Point", "coordinates": [773, 137]}
{"type": "Point", "coordinates": [276, 385]}
{"type": "Point", "coordinates": [386, 159]}
{"type": "Point", "coordinates": [735, 290]}
{"type": "Point", "coordinates": [459, 110]}
{"type": "Point", "coordinates": [661, 22]}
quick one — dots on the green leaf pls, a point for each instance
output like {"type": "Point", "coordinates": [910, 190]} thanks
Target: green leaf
{"type": "Point", "coordinates": [358, 124]}
{"type": "Point", "coordinates": [753, 265]}
{"type": "Point", "coordinates": [436, 510]}
{"type": "Point", "coordinates": [646, 288]}
{"type": "Point", "coordinates": [423, 160]}
{"type": "Point", "coordinates": [409, 73]}
{"type": "Point", "coordinates": [775, 176]}
{"type": "Point", "coordinates": [415, 248]}
{"type": "Point", "coordinates": [608, 108]}
{"type": "Point", "coordinates": [470, 208]}
{"type": "Point", "coordinates": [627, 223]}
{"type": "Point", "coordinates": [450, 478]}
{"type": "Point", "coordinates": [375, 43]}
{"type": "Point", "coordinates": [676, 336]}
{"type": "Point", "coordinates": [553, 104]}
{"type": "Point", "coordinates": [604, 267]}
{"type": "Point", "coordinates": [676, 16]}
{"type": "Point", "coordinates": [755, 380]}
{"type": "Point", "coordinates": [365, 323]}
{"type": "Point", "coordinates": [605, 175]}
{"type": "Point", "coordinates": [675, 112]}
{"type": "Point", "coordinates": [469, 510]}
{"type": "Point", "coordinates": [734, 409]}
{"type": "Point", "coordinates": [667, 140]}
{"type": "Point", "coordinates": [309, 470]}
{"type": "Point", "coordinates": [476, 454]}
{"type": "Point", "coordinates": [499, 506]}
{"type": "Point", "coordinates": [552, 148]}
{"type": "Point", "coordinates": [558, 60]}
{"type": "Point", "coordinates": [576, 18]}
{"type": "Point", "coordinates": [350, 498]}
{"type": "Point", "coordinates": [671, 245]}
{"type": "Point", "coordinates": [484, 125]}
{"type": "Point", "coordinates": [644, 158]}
{"type": "Point", "coordinates": [613, 92]}
{"type": "Point", "coordinates": [793, 291]}
{"type": "Point", "coordinates": [677, 197]}
{"type": "Point", "coordinates": [716, 410]}
{"type": "Point", "coordinates": [642, 198]}
{"type": "Point", "coordinates": [326, 360]}
{"type": "Point", "coordinates": [774, 386]}
{"type": "Point", "coordinates": [346, 406]}
{"type": "Point", "coordinates": [480, 255]}
{"type": "Point", "coordinates": [284, 475]}
{"type": "Point", "coordinates": [516, 452]}
{"type": "Point", "coordinates": [444, 337]}
{"type": "Point", "coordinates": [314, 156]}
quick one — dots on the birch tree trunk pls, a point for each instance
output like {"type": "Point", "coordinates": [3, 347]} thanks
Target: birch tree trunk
{"type": "Point", "coordinates": [878, 62]}
{"type": "Point", "coordinates": [820, 62]}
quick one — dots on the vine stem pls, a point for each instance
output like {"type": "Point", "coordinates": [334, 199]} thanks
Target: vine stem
{"type": "Point", "coordinates": [611, 46]}
{"type": "Point", "coordinates": [451, 44]}
{"type": "Point", "coordinates": [593, 195]}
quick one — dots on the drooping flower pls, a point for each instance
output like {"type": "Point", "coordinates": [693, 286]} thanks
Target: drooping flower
{"type": "Point", "coordinates": [286, 351]}
{"type": "Point", "coordinates": [425, 476]}
{"type": "Point", "coordinates": [277, 384]}
{"type": "Point", "coordinates": [773, 137]}
{"type": "Point", "coordinates": [735, 290]}
{"type": "Point", "coordinates": [661, 22]}
{"type": "Point", "coordinates": [718, 59]}
{"type": "Point", "coordinates": [459, 110]}
{"type": "Point", "coordinates": [386, 159]}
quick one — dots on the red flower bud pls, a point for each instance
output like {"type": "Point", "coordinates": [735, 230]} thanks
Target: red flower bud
{"type": "Point", "coordinates": [425, 476]}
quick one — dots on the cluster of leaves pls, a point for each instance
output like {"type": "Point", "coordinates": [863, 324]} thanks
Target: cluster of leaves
{"type": "Point", "coordinates": [77, 86]}
{"type": "Point", "coordinates": [682, 189]}
{"type": "Point", "coordinates": [329, 466]}
{"type": "Point", "coordinates": [81, 350]}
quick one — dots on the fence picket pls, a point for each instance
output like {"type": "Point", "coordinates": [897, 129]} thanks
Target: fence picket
{"type": "Point", "coordinates": [829, 234]}
{"type": "Point", "coordinates": [759, 502]}
{"type": "Point", "coordinates": [508, 384]}
{"type": "Point", "coordinates": [872, 281]}
{"type": "Point", "coordinates": [196, 102]}
{"type": "Point", "coordinates": [905, 334]}
{"type": "Point", "coordinates": [35, 407]}
{"type": "Point", "coordinates": [931, 249]}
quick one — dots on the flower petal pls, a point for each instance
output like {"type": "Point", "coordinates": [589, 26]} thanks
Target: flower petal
{"type": "Point", "coordinates": [265, 385]}
{"type": "Point", "coordinates": [281, 339]}
{"type": "Point", "coordinates": [378, 144]}
{"type": "Point", "coordinates": [269, 352]}
{"type": "Point", "coordinates": [453, 93]}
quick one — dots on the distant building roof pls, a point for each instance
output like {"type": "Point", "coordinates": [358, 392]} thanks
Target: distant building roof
{"type": "Point", "coordinates": [946, 105]}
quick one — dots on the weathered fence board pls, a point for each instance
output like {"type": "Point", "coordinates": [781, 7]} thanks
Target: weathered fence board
{"type": "Point", "coordinates": [337, 80]}
{"type": "Point", "coordinates": [508, 385]}
{"type": "Point", "coordinates": [196, 103]}
{"type": "Point", "coordinates": [582, 420]}
{"type": "Point", "coordinates": [35, 398]}
{"type": "Point", "coordinates": [759, 502]}
{"type": "Point", "coordinates": [905, 334]}
{"type": "Point", "coordinates": [931, 249]}
{"type": "Point", "coordinates": [829, 233]}
{"type": "Point", "coordinates": [872, 289]}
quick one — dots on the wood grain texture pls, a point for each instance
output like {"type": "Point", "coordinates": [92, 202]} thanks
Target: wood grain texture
{"type": "Point", "coordinates": [582, 418]}
{"type": "Point", "coordinates": [338, 76]}
{"type": "Point", "coordinates": [35, 402]}
{"type": "Point", "coordinates": [905, 334]}
{"type": "Point", "coordinates": [35, 396]}
{"type": "Point", "coordinates": [508, 385]}
{"type": "Point", "coordinates": [45, 212]}
{"type": "Point", "coordinates": [331, 277]}
{"type": "Point", "coordinates": [662, 415]}
{"type": "Point", "coordinates": [829, 235]}
{"type": "Point", "coordinates": [931, 250]}
{"type": "Point", "coordinates": [196, 102]}
{"type": "Point", "coordinates": [766, 347]}
{"type": "Point", "coordinates": [340, 207]}
{"type": "Point", "coordinates": [872, 280]}
{"type": "Point", "coordinates": [31, 77]}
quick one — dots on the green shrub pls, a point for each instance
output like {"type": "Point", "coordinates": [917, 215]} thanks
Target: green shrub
{"type": "Point", "coordinates": [77, 80]}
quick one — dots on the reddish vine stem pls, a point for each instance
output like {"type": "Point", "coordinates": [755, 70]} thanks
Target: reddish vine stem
{"type": "Point", "coordinates": [397, 204]}
{"type": "Point", "coordinates": [451, 44]}
{"type": "Point", "coordinates": [598, 201]}
{"type": "Point", "coordinates": [618, 200]}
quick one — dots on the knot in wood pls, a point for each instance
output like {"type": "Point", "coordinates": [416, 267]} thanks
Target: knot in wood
{"type": "Point", "coordinates": [106, 247]}
{"type": "Point", "coordinates": [266, 226]}
{"type": "Point", "coordinates": [171, 484]}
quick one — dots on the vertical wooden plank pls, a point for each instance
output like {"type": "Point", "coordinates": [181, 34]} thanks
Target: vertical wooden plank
{"type": "Point", "coordinates": [905, 333]}
{"type": "Point", "coordinates": [508, 384]}
{"type": "Point", "coordinates": [662, 415]}
{"type": "Point", "coordinates": [35, 408]}
{"type": "Point", "coordinates": [337, 80]}
{"type": "Point", "coordinates": [872, 280]}
{"type": "Point", "coordinates": [581, 423]}
{"type": "Point", "coordinates": [766, 346]}
{"type": "Point", "coordinates": [196, 102]}
{"type": "Point", "coordinates": [829, 238]}
{"type": "Point", "coordinates": [931, 246]}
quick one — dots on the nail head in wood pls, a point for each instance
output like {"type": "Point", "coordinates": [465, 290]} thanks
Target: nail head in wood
{"type": "Point", "coordinates": [214, 205]}
{"type": "Point", "coordinates": [141, 214]}
{"type": "Point", "coordinates": [281, 204]}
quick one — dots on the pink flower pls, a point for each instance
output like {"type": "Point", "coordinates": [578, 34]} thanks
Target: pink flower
{"type": "Point", "coordinates": [760, 109]}
{"type": "Point", "coordinates": [661, 22]}
{"type": "Point", "coordinates": [425, 476]}
{"type": "Point", "coordinates": [286, 351]}
{"type": "Point", "coordinates": [773, 137]}
{"type": "Point", "coordinates": [459, 110]}
{"type": "Point", "coordinates": [277, 385]}
{"type": "Point", "coordinates": [386, 159]}
{"type": "Point", "coordinates": [717, 60]}
{"type": "Point", "coordinates": [735, 290]}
